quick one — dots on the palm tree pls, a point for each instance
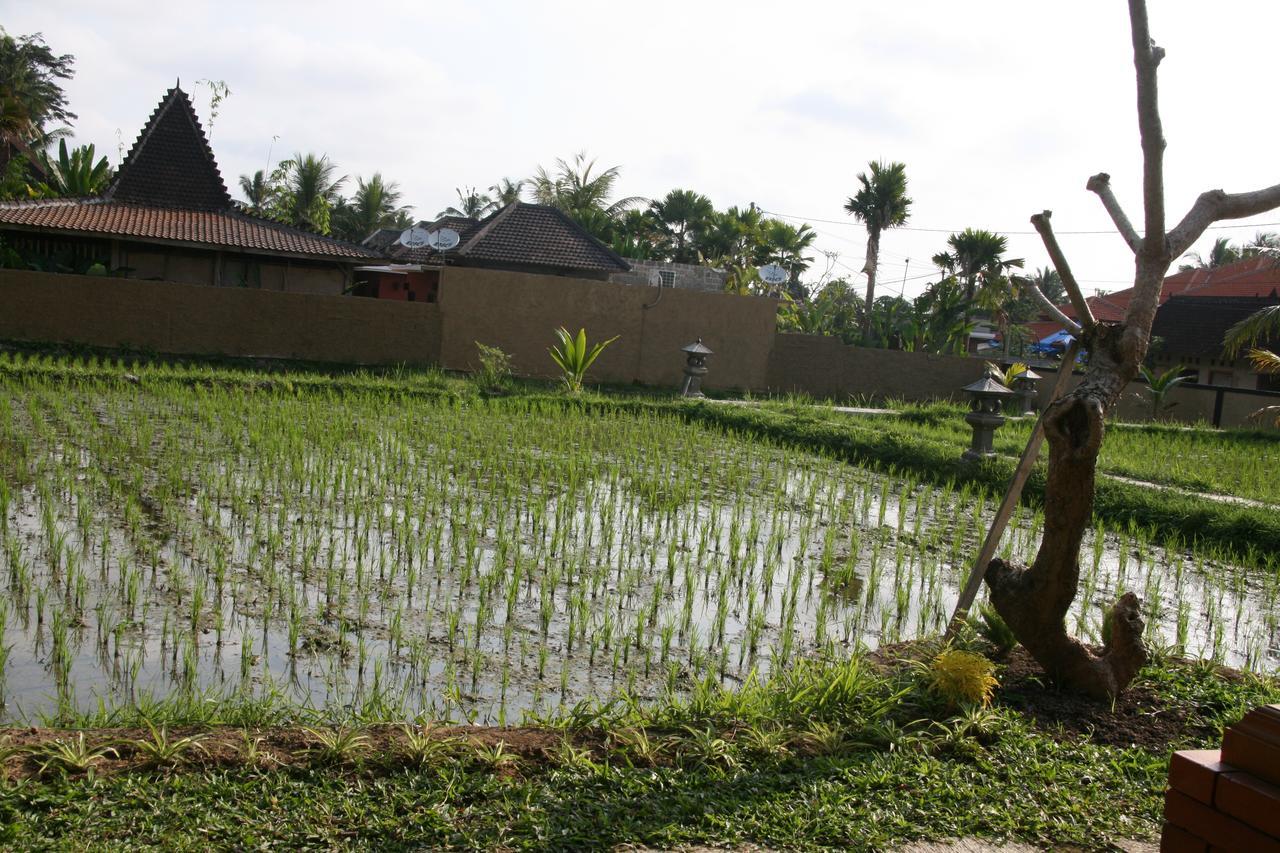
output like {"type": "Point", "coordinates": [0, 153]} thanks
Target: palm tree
{"type": "Point", "coordinates": [472, 204]}
{"type": "Point", "coordinates": [1220, 255]}
{"type": "Point", "coordinates": [256, 190]}
{"type": "Point", "coordinates": [31, 95]}
{"type": "Point", "coordinates": [1159, 385]}
{"type": "Point", "coordinates": [374, 205]}
{"type": "Point", "coordinates": [308, 190]}
{"type": "Point", "coordinates": [584, 196]}
{"type": "Point", "coordinates": [881, 203]}
{"type": "Point", "coordinates": [976, 258]}
{"type": "Point", "coordinates": [1263, 243]}
{"type": "Point", "coordinates": [74, 173]}
{"type": "Point", "coordinates": [784, 244]}
{"type": "Point", "coordinates": [506, 191]}
{"type": "Point", "coordinates": [682, 215]}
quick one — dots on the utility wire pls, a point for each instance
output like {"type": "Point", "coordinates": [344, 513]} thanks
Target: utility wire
{"type": "Point", "coordinates": [958, 230]}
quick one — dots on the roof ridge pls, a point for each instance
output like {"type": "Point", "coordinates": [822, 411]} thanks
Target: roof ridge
{"type": "Point", "coordinates": [610, 253]}
{"type": "Point", "coordinates": [486, 226]}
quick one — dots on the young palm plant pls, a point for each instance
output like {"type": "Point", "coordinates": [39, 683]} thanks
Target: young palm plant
{"type": "Point", "coordinates": [574, 358]}
{"type": "Point", "coordinates": [1159, 386]}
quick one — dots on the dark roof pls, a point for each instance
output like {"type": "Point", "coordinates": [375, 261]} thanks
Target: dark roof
{"type": "Point", "coordinates": [169, 189]}
{"type": "Point", "coordinates": [216, 229]}
{"type": "Point", "coordinates": [171, 164]}
{"type": "Point", "coordinates": [519, 234]}
{"type": "Point", "coordinates": [1194, 326]}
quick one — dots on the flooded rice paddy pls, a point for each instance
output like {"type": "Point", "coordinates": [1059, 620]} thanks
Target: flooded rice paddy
{"type": "Point", "coordinates": [479, 559]}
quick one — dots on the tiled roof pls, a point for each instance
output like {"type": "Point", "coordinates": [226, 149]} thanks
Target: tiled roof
{"type": "Point", "coordinates": [216, 229]}
{"type": "Point", "coordinates": [519, 235]}
{"type": "Point", "coordinates": [169, 189]}
{"type": "Point", "coordinates": [1194, 326]}
{"type": "Point", "coordinates": [171, 164]}
{"type": "Point", "coordinates": [1255, 277]}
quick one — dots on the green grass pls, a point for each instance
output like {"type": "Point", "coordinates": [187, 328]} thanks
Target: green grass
{"type": "Point", "coordinates": [936, 775]}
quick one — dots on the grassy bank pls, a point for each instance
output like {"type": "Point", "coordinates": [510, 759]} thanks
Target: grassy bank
{"type": "Point", "coordinates": [853, 755]}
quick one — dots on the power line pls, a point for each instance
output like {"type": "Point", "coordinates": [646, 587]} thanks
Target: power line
{"type": "Point", "coordinates": [958, 230]}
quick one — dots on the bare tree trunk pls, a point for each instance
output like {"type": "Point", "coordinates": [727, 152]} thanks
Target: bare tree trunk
{"type": "Point", "coordinates": [1035, 600]}
{"type": "Point", "coordinates": [873, 261]}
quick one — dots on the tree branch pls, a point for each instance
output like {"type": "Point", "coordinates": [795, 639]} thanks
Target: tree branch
{"type": "Point", "coordinates": [1056, 313]}
{"type": "Point", "coordinates": [1146, 59]}
{"type": "Point", "coordinates": [1041, 223]}
{"type": "Point", "coordinates": [1214, 206]}
{"type": "Point", "coordinates": [1101, 185]}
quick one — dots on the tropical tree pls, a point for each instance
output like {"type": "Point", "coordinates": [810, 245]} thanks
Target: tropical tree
{"type": "Point", "coordinates": [1035, 600]}
{"type": "Point", "coordinates": [1220, 255]}
{"type": "Point", "coordinates": [73, 173]}
{"type": "Point", "coordinates": [977, 259]}
{"type": "Point", "coordinates": [880, 203]}
{"type": "Point", "coordinates": [506, 191]}
{"type": "Point", "coordinates": [256, 190]}
{"type": "Point", "coordinates": [1159, 385]}
{"type": "Point", "coordinates": [31, 95]}
{"type": "Point", "coordinates": [472, 204]}
{"type": "Point", "coordinates": [834, 310]}
{"type": "Point", "coordinates": [1263, 243]}
{"type": "Point", "coordinates": [307, 191]}
{"type": "Point", "coordinates": [682, 216]}
{"type": "Point", "coordinates": [785, 244]}
{"type": "Point", "coordinates": [375, 204]}
{"type": "Point", "coordinates": [584, 192]}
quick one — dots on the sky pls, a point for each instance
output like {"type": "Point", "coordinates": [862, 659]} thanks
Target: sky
{"type": "Point", "coordinates": [999, 108]}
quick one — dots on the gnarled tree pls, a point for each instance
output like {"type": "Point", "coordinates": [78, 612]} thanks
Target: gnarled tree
{"type": "Point", "coordinates": [1034, 600]}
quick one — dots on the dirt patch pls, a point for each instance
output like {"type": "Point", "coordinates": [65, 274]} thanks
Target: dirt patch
{"type": "Point", "coordinates": [29, 752]}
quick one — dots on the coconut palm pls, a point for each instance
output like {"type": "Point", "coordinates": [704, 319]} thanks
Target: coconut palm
{"type": "Point", "coordinates": [881, 203]}
{"type": "Point", "coordinates": [1220, 255]}
{"type": "Point", "coordinates": [308, 191]}
{"type": "Point", "coordinates": [256, 190]}
{"type": "Point", "coordinates": [506, 191]}
{"type": "Point", "coordinates": [583, 192]}
{"type": "Point", "coordinates": [1160, 384]}
{"type": "Point", "coordinates": [1252, 333]}
{"type": "Point", "coordinates": [472, 204]}
{"type": "Point", "coordinates": [1263, 243]}
{"type": "Point", "coordinates": [375, 204]}
{"type": "Point", "coordinates": [976, 259]}
{"type": "Point", "coordinates": [74, 173]}
{"type": "Point", "coordinates": [682, 215]}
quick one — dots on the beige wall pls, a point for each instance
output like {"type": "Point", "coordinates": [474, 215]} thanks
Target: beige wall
{"type": "Point", "coordinates": [1193, 405]}
{"type": "Point", "coordinates": [236, 321]}
{"type": "Point", "coordinates": [520, 312]}
{"type": "Point", "coordinates": [824, 367]}
{"type": "Point", "coordinates": [195, 267]}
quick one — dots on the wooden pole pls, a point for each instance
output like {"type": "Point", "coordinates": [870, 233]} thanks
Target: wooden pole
{"type": "Point", "coordinates": [1011, 496]}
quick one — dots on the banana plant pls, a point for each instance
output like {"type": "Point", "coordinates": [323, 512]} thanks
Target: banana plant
{"type": "Point", "coordinates": [574, 358]}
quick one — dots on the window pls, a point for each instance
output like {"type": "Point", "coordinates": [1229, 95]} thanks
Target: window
{"type": "Point", "coordinates": [1222, 377]}
{"type": "Point", "coordinates": [666, 278]}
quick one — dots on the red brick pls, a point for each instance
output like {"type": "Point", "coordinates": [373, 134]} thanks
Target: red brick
{"type": "Point", "coordinates": [1249, 800]}
{"type": "Point", "coordinates": [1216, 828]}
{"type": "Point", "coordinates": [1175, 839]}
{"type": "Point", "coordinates": [1194, 772]}
{"type": "Point", "coordinates": [1262, 722]}
{"type": "Point", "coordinates": [1244, 750]}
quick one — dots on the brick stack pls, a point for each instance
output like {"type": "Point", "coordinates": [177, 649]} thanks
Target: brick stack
{"type": "Point", "coordinates": [1228, 799]}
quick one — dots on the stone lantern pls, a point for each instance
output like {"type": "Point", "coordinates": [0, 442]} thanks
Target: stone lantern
{"type": "Point", "coordinates": [984, 416]}
{"type": "Point", "coordinates": [1024, 385]}
{"type": "Point", "coordinates": [695, 368]}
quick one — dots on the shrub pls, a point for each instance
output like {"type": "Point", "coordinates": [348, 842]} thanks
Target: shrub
{"type": "Point", "coordinates": [495, 368]}
{"type": "Point", "coordinates": [962, 678]}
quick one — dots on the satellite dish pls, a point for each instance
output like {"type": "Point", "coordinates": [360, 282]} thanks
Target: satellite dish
{"type": "Point", "coordinates": [655, 278]}
{"type": "Point", "coordinates": [773, 274]}
{"type": "Point", "coordinates": [443, 239]}
{"type": "Point", "coordinates": [415, 238]}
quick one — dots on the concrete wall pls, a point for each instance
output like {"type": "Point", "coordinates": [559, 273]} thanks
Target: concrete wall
{"type": "Point", "coordinates": [235, 321]}
{"type": "Point", "coordinates": [685, 276]}
{"type": "Point", "coordinates": [520, 312]}
{"type": "Point", "coordinates": [827, 368]}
